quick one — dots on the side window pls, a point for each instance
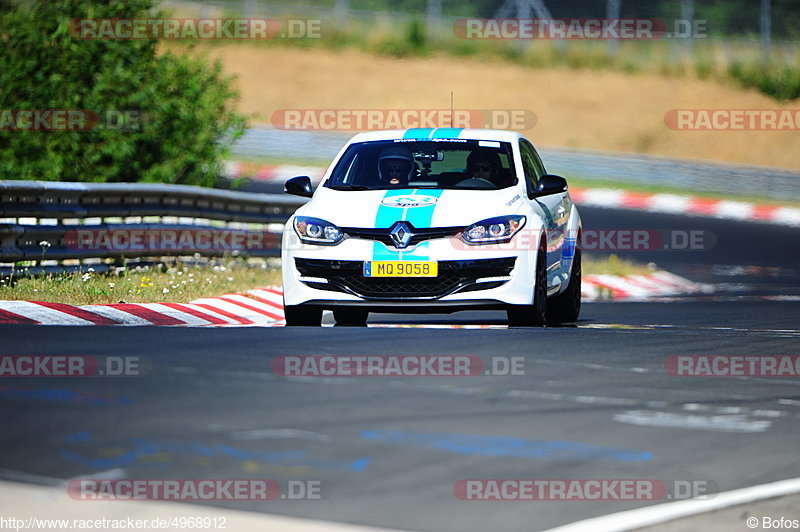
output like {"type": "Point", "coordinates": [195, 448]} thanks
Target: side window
{"type": "Point", "coordinates": [537, 161]}
{"type": "Point", "coordinates": [532, 173]}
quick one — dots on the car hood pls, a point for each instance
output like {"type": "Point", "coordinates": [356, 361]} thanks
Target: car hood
{"type": "Point", "coordinates": [420, 207]}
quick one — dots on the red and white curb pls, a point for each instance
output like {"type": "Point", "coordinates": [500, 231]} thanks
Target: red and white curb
{"type": "Point", "coordinates": [639, 287]}
{"type": "Point", "coordinates": [594, 197]}
{"type": "Point", "coordinates": [264, 306]}
{"type": "Point", "coordinates": [258, 307]}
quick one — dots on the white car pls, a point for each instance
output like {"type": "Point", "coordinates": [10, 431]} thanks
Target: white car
{"type": "Point", "coordinates": [433, 220]}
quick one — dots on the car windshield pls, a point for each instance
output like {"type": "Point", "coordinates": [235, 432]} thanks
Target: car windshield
{"type": "Point", "coordinates": [444, 164]}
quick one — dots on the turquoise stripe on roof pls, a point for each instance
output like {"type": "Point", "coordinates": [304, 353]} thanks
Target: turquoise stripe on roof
{"type": "Point", "coordinates": [447, 133]}
{"type": "Point", "coordinates": [418, 133]}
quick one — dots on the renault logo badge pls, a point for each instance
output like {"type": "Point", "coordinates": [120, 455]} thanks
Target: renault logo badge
{"type": "Point", "coordinates": [401, 234]}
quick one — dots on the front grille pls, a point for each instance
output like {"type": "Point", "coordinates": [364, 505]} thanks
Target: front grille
{"type": "Point", "coordinates": [454, 276]}
{"type": "Point", "coordinates": [420, 235]}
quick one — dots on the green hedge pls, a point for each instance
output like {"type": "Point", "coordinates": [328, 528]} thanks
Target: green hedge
{"type": "Point", "coordinates": [171, 117]}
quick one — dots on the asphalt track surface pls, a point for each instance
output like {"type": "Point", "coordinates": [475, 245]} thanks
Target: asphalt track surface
{"type": "Point", "coordinates": [594, 400]}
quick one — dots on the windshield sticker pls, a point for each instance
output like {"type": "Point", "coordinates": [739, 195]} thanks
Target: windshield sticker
{"type": "Point", "coordinates": [435, 139]}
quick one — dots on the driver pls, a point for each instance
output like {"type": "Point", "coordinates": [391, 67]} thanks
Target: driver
{"type": "Point", "coordinates": [396, 165]}
{"type": "Point", "coordinates": [484, 164]}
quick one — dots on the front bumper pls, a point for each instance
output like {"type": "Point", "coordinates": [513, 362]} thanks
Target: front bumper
{"type": "Point", "coordinates": [455, 276]}
{"type": "Point", "coordinates": [331, 276]}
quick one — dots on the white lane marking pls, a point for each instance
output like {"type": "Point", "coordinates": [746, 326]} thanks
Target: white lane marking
{"type": "Point", "coordinates": [612, 401]}
{"type": "Point", "coordinates": [45, 315]}
{"type": "Point", "coordinates": [768, 413]}
{"type": "Point", "coordinates": [721, 423]}
{"type": "Point", "coordinates": [662, 513]}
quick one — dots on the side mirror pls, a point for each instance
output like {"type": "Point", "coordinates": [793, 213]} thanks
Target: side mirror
{"type": "Point", "coordinates": [299, 186]}
{"type": "Point", "coordinates": [550, 184]}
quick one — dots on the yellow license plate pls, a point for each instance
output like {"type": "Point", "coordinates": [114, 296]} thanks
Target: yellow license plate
{"type": "Point", "coordinates": [401, 268]}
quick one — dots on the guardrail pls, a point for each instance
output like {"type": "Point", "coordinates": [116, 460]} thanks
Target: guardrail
{"type": "Point", "coordinates": [53, 221]}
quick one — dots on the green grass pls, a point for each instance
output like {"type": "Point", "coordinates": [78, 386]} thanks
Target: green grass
{"type": "Point", "coordinates": [180, 283]}
{"type": "Point", "coordinates": [613, 265]}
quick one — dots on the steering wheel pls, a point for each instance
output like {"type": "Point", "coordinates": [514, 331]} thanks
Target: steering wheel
{"type": "Point", "coordinates": [475, 182]}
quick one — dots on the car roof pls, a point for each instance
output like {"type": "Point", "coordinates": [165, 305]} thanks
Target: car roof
{"type": "Point", "coordinates": [429, 133]}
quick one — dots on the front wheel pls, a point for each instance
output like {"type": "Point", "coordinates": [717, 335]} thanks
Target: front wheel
{"type": "Point", "coordinates": [302, 316]}
{"type": "Point", "coordinates": [566, 307]}
{"type": "Point", "coordinates": [533, 315]}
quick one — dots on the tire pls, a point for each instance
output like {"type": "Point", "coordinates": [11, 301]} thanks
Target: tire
{"type": "Point", "coordinates": [351, 317]}
{"type": "Point", "coordinates": [302, 316]}
{"type": "Point", "coordinates": [566, 307]}
{"type": "Point", "coordinates": [534, 315]}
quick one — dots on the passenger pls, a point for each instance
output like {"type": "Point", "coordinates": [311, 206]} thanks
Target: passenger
{"type": "Point", "coordinates": [485, 164]}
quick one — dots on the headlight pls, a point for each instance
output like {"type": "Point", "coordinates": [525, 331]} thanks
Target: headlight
{"type": "Point", "coordinates": [317, 231]}
{"type": "Point", "coordinates": [500, 229]}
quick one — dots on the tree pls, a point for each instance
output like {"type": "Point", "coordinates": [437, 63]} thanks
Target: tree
{"type": "Point", "coordinates": [163, 117]}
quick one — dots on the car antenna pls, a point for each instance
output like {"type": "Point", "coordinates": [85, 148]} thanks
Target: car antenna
{"type": "Point", "coordinates": [452, 112]}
